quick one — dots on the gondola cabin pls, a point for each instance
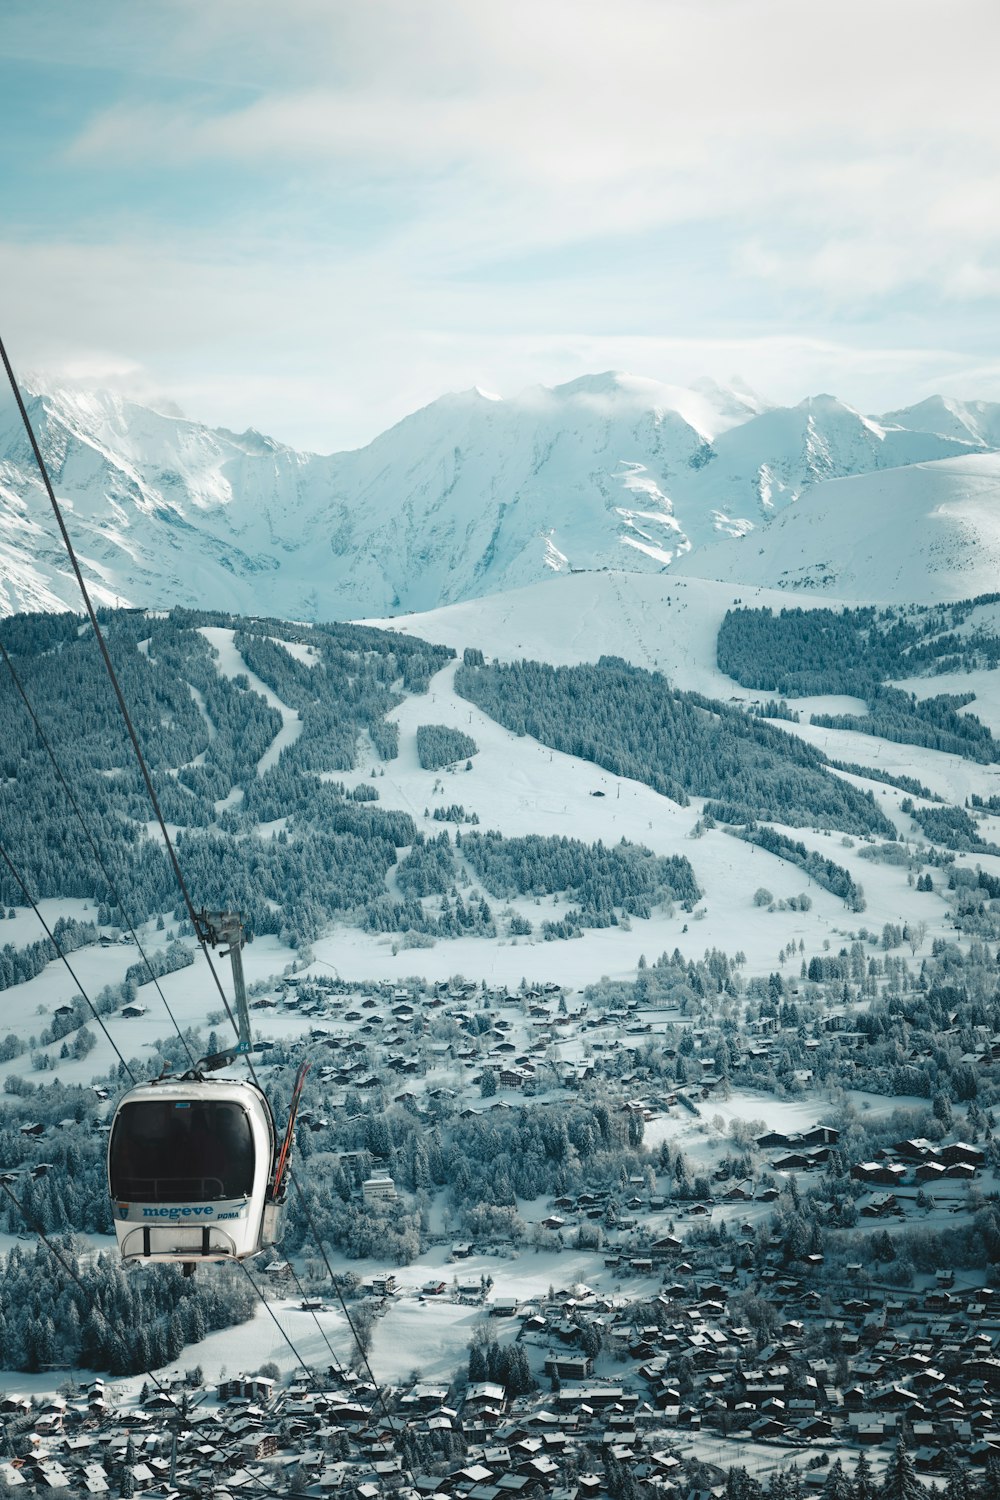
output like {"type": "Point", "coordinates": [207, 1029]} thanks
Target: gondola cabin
{"type": "Point", "coordinates": [191, 1164]}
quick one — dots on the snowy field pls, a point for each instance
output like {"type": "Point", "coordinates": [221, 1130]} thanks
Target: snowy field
{"type": "Point", "coordinates": [658, 621]}
{"type": "Point", "coordinates": [521, 787]}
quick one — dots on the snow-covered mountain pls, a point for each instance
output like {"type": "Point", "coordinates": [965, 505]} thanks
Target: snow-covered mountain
{"type": "Point", "coordinates": [969, 421]}
{"type": "Point", "coordinates": [469, 496]}
{"type": "Point", "coordinates": [924, 532]}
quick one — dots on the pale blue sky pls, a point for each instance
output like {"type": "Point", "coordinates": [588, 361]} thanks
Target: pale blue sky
{"type": "Point", "coordinates": [312, 218]}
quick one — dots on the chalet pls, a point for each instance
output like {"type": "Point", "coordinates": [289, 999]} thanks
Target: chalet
{"type": "Point", "coordinates": [257, 1446]}
{"type": "Point", "coordinates": [569, 1366]}
{"type": "Point", "coordinates": [739, 1192]}
{"type": "Point", "coordinates": [886, 1173]}
{"type": "Point", "coordinates": [250, 1387]}
{"type": "Point", "coordinates": [592, 1396]}
{"type": "Point", "coordinates": [766, 1427]}
{"type": "Point", "coordinates": [792, 1161]}
{"type": "Point", "coordinates": [378, 1190]}
{"type": "Point", "coordinates": [918, 1148]}
{"type": "Point", "coordinates": [424, 1398]}
{"type": "Point", "coordinates": [484, 1393]}
{"type": "Point", "coordinates": [961, 1152]}
{"type": "Point", "coordinates": [879, 1205]}
{"type": "Point", "coordinates": [502, 1307]}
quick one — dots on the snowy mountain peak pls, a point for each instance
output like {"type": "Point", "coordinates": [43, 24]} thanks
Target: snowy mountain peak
{"type": "Point", "coordinates": [601, 383]}
{"type": "Point", "coordinates": [974, 422]}
{"type": "Point", "coordinates": [734, 399]}
{"type": "Point", "coordinates": [472, 494]}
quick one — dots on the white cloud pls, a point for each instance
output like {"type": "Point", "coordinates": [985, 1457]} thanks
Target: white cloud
{"type": "Point", "coordinates": [452, 193]}
{"type": "Point", "coordinates": [245, 346]}
{"type": "Point", "coordinates": [495, 132]}
{"type": "Point", "coordinates": [573, 86]}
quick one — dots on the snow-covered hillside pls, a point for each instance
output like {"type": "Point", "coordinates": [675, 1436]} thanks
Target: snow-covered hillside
{"type": "Point", "coordinates": [470, 496]}
{"type": "Point", "coordinates": [928, 532]}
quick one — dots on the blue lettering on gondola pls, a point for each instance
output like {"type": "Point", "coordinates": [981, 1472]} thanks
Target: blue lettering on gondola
{"type": "Point", "coordinates": [186, 1211]}
{"type": "Point", "coordinates": [177, 1211]}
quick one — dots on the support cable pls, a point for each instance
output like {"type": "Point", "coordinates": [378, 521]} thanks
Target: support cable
{"type": "Point", "coordinates": [303, 1201]}
{"type": "Point", "coordinates": [154, 800]}
{"type": "Point", "coordinates": [334, 1361]}
{"type": "Point", "coordinates": [343, 1305]}
{"type": "Point", "coordinates": [109, 665]}
{"type": "Point", "coordinates": [91, 841]}
{"type": "Point", "coordinates": [69, 968]}
{"type": "Point", "coordinates": [91, 1300]}
{"type": "Point", "coordinates": [310, 1373]}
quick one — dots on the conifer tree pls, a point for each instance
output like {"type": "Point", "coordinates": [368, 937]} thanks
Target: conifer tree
{"type": "Point", "coordinates": [837, 1486]}
{"type": "Point", "coordinates": [901, 1482]}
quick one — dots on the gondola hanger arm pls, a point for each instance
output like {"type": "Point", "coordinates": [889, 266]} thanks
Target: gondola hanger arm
{"type": "Point", "coordinates": [216, 928]}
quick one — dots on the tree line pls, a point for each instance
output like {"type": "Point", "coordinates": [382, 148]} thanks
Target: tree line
{"type": "Point", "coordinates": [802, 652]}
{"type": "Point", "coordinates": [106, 1316]}
{"type": "Point", "coordinates": [204, 735]}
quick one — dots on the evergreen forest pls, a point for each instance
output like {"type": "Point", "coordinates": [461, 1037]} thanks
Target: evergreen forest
{"type": "Point", "coordinates": [633, 723]}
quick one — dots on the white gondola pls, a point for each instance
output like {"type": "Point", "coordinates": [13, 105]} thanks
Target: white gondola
{"type": "Point", "coordinates": [191, 1171]}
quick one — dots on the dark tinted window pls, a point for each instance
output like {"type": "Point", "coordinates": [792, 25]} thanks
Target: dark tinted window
{"type": "Point", "coordinates": [165, 1151]}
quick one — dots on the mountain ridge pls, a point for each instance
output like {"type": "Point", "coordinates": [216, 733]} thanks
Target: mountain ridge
{"type": "Point", "coordinates": [470, 495]}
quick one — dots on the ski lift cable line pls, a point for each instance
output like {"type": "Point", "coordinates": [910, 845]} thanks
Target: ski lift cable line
{"type": "Point", "coordinates": [69, 968]}
{"type": "Point", "coordinates": [307, 1211]}
{"type": "Point", "coordinates": [112, 674]}
{"type": "Point", "coordinates": [358, 1344]}
{"type": "Point", "coordinates": [95, 1308]}
{"type": "Point", "coordinates": [33, 1224]}
{"type": "Point", "coordinates": [43, 737]}
{"type": "Point", "coordinates": [151, 791]}
{"type": "Point", "coordinates": [197, 923]}
{"type": "Point", "coordinates": [319, 1327]}
{"type": "Point", "coordinates": [310, 1373]}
